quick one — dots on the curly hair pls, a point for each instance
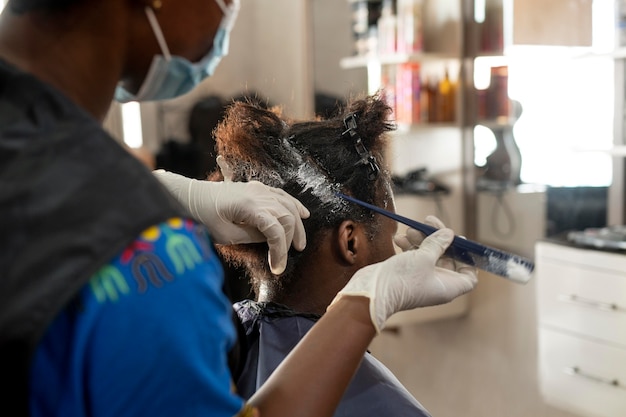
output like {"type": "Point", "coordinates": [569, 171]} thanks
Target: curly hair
{"type": "Point", "coordinates": [312, 161]}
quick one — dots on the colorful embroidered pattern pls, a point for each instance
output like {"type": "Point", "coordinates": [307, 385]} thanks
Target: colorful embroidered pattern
{"type": "Point", "coordinates": [108, 283]}
{"type": "Point", "coordinates": [161, 253]}
{"type": "Point", "coordinates": [155, 318]}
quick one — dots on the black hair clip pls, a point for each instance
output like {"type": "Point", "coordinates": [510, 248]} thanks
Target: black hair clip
{"type": "Point", "coordinates": [366, 156]}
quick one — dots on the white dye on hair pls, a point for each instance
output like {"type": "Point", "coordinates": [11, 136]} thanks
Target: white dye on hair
{"type": "Point", "coordinates": [252, 172]}
{"type": "Point", "coordinates": [311, 178]}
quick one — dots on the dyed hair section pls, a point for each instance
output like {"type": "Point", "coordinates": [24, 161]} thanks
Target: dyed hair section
{"type": "Point", "coordinates": [312, 161]}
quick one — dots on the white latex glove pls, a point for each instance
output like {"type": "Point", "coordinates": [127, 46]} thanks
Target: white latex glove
{"type": "Point", "coordinates": [411, 279]}
{"type": "Point", "coordinates": [412, 239]}
{"type": "Point", "coordinates": [243, 212]}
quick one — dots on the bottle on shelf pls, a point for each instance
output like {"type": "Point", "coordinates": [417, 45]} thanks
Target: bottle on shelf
{"type": "Point", "coordinates": [432, 96]}
{"type": "Point", "coordinates": [410, 26]}
{"type": "Point", "coordinates": [388, 86]}
{"type": "Point", "coordinates": [365, 15]}
{"type": "Point", "coordinates": [494, 103]}
{"type": "Point", "coordinates": [408, 93]}
{"type": "Point", "coordinates": [387, 28]}
{"type": "Point", "coordinates": [446, 99]}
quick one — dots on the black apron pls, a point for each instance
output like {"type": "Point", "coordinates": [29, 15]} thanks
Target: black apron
{"type": "Point", "coordinates": [71, 199]}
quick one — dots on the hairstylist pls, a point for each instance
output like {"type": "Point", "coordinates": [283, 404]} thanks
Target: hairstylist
{"type": "Point", "coordinates": [110, 295]}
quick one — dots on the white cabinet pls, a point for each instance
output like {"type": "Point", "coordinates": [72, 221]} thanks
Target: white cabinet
{"type": "Point", "coordinates": [581, 306]}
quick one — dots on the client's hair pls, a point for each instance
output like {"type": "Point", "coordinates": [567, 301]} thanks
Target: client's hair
{"type": "Point", "coordinates": [312, 161]}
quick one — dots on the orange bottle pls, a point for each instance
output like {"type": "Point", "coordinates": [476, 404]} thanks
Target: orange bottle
{"type": "Point", "coordinates": [446, 99]}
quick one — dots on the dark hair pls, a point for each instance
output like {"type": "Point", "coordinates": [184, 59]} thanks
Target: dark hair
{"type": "Point", "coordinates": [23, 6]}
{"type": "Point", "coordinates": [312, 161]}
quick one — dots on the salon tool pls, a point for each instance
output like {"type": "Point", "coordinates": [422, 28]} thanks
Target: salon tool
{"type": "Point", "coordinates": [506, 265]}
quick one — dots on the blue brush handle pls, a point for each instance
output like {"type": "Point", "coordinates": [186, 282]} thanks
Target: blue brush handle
{"type": "Point", "coordinates": [507, 265]}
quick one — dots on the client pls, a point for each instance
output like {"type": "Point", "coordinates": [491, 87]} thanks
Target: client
{"type": "Point", "coordinates": [313, 160]}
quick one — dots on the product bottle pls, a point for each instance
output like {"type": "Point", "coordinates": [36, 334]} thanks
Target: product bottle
{"type": "Point", "coordinates": [432, 92]}
{"type": "Point", "coordinates": [388, 86]}
{"type": "Point", "coordinates": [446, 99]}
{"type": "Point", "coordinates": [387, 26]}
{"type": "Point", "coordinates": [499, 92]}
{"type": "Point", "coordinates": [425, 99]}
{"type": "Point", "coordinates": [409, 14]}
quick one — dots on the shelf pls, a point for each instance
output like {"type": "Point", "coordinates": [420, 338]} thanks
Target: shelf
{"type": "Point", "coordinates": [362, 61]}
{"type": "Point", "coordinates": [619, 53]}
{"type": "Point", "coordinates": [489, 54]}
{"type": "Point", "coordinates": [408, 128]}
{"type": "Point", "coordinates": [617, 150]}
{"type": "Point", "coordinates": [524, 188]}
{"type": "Point", "coordinates": [499, 123]}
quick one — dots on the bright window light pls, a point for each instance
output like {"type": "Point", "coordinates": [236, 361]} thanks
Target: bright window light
{"type": "Point", "coordinates": [131, 124]}
{"type": "Point", "coordinates": [484, 144]}
{"type": "Point", "coordinates": [567, 109]}
{"type": "Point", "coordinates": [567, 116]}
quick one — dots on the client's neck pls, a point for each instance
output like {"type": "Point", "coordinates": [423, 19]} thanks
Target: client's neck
{"type": "Point", "coordinates": [312, 292]}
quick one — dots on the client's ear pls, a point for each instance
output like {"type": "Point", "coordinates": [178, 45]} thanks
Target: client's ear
{"type": "Point", "coordinates": [351, 241]}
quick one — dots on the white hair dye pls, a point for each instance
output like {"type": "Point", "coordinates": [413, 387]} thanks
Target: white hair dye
{"type": "Point", "coordinates": [311, 177]}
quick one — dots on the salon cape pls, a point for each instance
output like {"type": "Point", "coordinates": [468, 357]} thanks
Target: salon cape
{"type": "Point", "coordinates": [273, 330]}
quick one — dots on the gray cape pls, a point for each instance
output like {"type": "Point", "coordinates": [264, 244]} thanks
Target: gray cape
{"type": "Point", "coordinates": [273, 330]}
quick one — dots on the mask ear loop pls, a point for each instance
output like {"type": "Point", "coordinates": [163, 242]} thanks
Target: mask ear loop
{"type": "Point", "coordinates": [156, 28]}
{"type": "Point", "coordinates": [222, 6]}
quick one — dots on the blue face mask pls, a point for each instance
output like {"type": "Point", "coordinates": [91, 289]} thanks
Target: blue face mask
{"type": "Point", "coordinates": [172, 76]}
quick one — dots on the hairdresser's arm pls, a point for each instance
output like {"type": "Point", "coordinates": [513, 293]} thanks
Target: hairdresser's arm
{"type": "Point", "coordinates": [313, 378]}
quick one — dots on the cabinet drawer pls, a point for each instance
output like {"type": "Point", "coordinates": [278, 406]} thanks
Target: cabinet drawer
{"type": "Point", "coordinates": [581, 375]}
{"type": "Point", "coordinates": [614, 261]}
{"type": "Point", "coordinates": [582, 299]}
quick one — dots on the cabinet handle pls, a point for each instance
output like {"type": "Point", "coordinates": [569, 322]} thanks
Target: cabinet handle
{"type": "Point", "coordinates": [575, 370]}
{"type": "Point", "coordinates": [599, 305]}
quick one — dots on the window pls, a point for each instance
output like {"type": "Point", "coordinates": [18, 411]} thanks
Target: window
{"type": "Point", "coordinates": [567, 96]}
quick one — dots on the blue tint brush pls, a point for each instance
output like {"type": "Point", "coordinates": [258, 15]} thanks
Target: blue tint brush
{"type": "Point", "coordinates": [506, 265]}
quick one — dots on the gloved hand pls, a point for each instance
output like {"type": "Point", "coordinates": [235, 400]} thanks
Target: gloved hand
{"type": "Point", "coordinates": [243, 212]}
{"type": "Point", "coordinates": [415, 278]}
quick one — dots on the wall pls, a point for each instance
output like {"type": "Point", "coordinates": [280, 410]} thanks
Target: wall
{"type": "Point", "coordinates": [270, 52]}
{"type": "Point", "coordinates": [560, 22]}
{"type": "Point", "coordinates": [332, 41]}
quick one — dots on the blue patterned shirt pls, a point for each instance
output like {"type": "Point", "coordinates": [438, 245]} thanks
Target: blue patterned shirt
{"type": "Point", "coordinates": [147, 336]}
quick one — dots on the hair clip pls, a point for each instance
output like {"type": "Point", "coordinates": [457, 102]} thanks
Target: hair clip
{"type": "Point", "coordinates": [366, 156]}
